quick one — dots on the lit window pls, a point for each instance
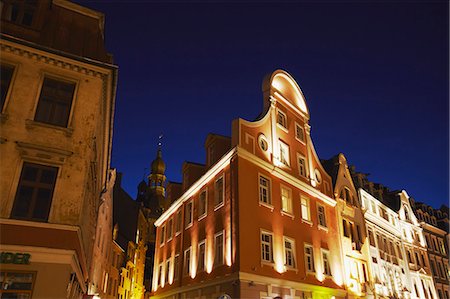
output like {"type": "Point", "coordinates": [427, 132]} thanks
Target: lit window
{"type": "Point", "coordinates": [306, 215]}
{"type": "Point", "coordinates": [201, 256]}
{"type": "Point", "coordinates": [55, 102]}
{"type": "Point", "coordinates": [167, 271]}
{"type": "Point", "coordinates": [301, 166]}
{"type": "Point", "coordinates": [218, 246]}
{"type": "Point", "coordinates": [309, 258]}
{"type": "Point", "coordinates": [34, 192]}
{"type": "Point", "coordinates": [178, 222]}
{"type": "Point", "coordinates": [442, 247]}
{"type": "Point", "coordinates": [371, 238]}
{"type": "Point", "coordinates": [282, 119]}
{"type": "Point", "coordinates": [321, 215]}
{"type": "Point", "coordinates": [284, 153]}
{"type": "Point", "coordinates": [188, 214]}
{"type": "Point", "coordinates": [286, 200]}
{"type": "Point", "coordinates": [187, 261]}
{"type": "Point", "coordinates": [264, 190]}
{"type": "Point", "coordinates": [202, 204]}
{"type": "Point", "coordinates": [299, 133]}
{"type": "Point", "coordinates": [289, 253]}
{"type": "Point", "coordinates": [176, 267]}
{"type": "Point", "coordinates": [218, 192]}
{"type": "Point", "coordinates": [16, 284]}
{"type": "Point", "coordinates": [162, 236]}
{"type": "Point", "coordinates": [266, 247]}
{"type": "Point", "coordinates": [169, 229]}
{"type": "Point", "coordinates": [345, 228]}
{"type": "Point", "coordinates": [326, 262]}
{"type": "Point", "coordinates": [6, 73]}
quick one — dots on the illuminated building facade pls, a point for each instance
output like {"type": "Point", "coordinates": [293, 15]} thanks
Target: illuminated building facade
{"type": "Point", "coordinates": [437, 247]}
{"type": "Point", "coordinates": [353, 234]}
{"type": "Point", "coordinates": [129, 245]}
{"type": "Point", "coordinates": [58, 88]}
{"type": "Point", "coordinates": [258, 220]}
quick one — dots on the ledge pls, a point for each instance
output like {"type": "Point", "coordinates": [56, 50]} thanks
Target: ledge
{"type": "Point", "coordinates": [31, 124]}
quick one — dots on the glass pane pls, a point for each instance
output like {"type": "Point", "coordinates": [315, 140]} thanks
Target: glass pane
{"type": "Point", "coordinates": [42, 205]}
{"type": "Point", "coordinates": [48, 176]}
{"type": "Point", "coordinates": [30, 173]}
{"type": "Point", "coordinates": [23, 201]}
{"type": "Point", "coordinates": [15, 296]}
{"type": "Point", "coordinates": [18, 281]}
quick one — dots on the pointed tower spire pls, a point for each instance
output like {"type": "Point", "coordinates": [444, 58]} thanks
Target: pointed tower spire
{"type": "Point", "coordinates": [157, 178]}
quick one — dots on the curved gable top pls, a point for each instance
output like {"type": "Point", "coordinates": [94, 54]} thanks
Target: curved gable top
{"type": "Point", "coordinates": [285, 85]}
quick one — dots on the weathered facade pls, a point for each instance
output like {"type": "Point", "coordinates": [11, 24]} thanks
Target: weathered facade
{"type": "Point", "coordinates": [258, 220]}
{"type": "Point", "coordinates": [58, 89]}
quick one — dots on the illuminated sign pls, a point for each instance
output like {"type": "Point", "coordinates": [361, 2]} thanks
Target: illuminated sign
{"type": "Point", "coordinates": [15, 258]}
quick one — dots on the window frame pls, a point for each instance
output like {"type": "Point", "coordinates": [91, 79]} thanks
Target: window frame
{"type": "Point", "coordinates": [303, 158]}
{"type": "Point", "coordinates": [167, 272]}
{"type": "Point", "coordinates": [284, 147]}
{"type": "Point", "coordinates": [268, 188]}
{"type": "Point", "coordinates": [203, 242]}
{"type": "Point", "coordinates": [270, 244]}
{"type": "Point", "coordinates": [178, 222]}
{"type": "Point", "coordinates": [176, 267]}
{"type": "Point", "coordinates": [191, 217]}
{"type": "Point", "coordinates": [290, 210]}
{"type": "Point", "coordinates": [169, 226]}
{"type": "Point", "coordinates": [324, 214]}
{"type": "Point", "coordinates": [59, 78]}
{"type": "Point", "coordinates": [20, 291]}
{"type": "Point", "coordinates": [10, 85]}
{"type": "Point", "coordinates": [326, 270]}
{"type": "Point", "coordinates": [205, 212]}
{"type": "Point", "coordinates": [162, 235]}
{"type": "Point", "coordinates": [283, 126]}
{"type": "Point", "coordinates": [187, 261]}
{"type": "Point", "coordinates": [219, 204]}
{"type": "Point", "coordinates": [35, 186]}
{"type": "Point", "coordinates": [217, 262]}
{"type": "Point", "coordinates": [308, 209]}
{"type": "Point", "coordinates": [292, 250]}
{"type": "Point", "coordinates": [311, 255]}
{"type": "Point", "coordinates": [301, 140]}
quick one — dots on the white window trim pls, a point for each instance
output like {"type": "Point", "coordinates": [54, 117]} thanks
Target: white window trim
{"type": "Point", "coordinates": [285, 129]}
{"type": "Point", "coordinates": [216, 207]}
{"type": "Point", "coordinates": [203, 242]}
{"type": "Point", "coordinates": [188, 225]}
{"type": "Point", "coordinates": [265, 262]}
{"type": "Point", "coordinates": [305, 166]}
{"type": "Point", "coordinates": [327, 252]}
{"type": "Point", "coordinates": [169, 237]}
{"type": "Point", "coordinates": [285, 212]}
{"type": "Point", "coordinates": [223, 248]}
{"type": "Point", "coordinates": [160, 272]}
{"type": "Point", "coordinates": [177, 232]}
{"type": "Point", "coordinates": [281, 143]}
{"type": "Point", "coordinates": [189, 249]}
{"type": "Point", "coordinates": [163, 234]}
{"type": "Point", "coordinates": [174, 275]}
{"type": "Point", "coordinates": [167, 271]}
{"type": "Point", "coordinates": [320, 226]}
{"type": "Point", "coordinates": [294, 253]}
{"type": "Point", "coordinates": [303, 129]}
{"type": "Point", "coordinates": [200, 217]}
{"type": "Point", "coordinates": [261, 203]}
{"type": "Point", "coordinates": [308, 220]}
{"type": "Point", "coordinates": [307, 245]}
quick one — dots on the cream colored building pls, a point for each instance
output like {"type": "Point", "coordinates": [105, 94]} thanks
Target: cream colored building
{"type": "Point", "coordinates": [58, 88]}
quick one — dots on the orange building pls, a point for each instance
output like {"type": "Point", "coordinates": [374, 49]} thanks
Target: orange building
{"type": "Point", "coordinates": [259, 219]}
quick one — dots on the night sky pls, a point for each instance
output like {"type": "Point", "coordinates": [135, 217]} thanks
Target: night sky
{"type": "Point", "coordinates": [374, 74]}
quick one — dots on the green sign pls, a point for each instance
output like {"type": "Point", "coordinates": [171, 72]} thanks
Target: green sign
{"type": "Point", "coordinates": [15, 258]}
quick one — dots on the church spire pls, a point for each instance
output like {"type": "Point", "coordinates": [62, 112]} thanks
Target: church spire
{"type": "Point", "coordinates": [157, 177]}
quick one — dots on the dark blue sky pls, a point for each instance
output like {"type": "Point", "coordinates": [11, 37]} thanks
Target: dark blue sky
{"type": "Point", "coordinates": [375, 77]}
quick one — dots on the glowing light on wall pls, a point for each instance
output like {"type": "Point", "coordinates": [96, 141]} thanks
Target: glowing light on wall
{"type": "Point", "coordinates": [285, 84]}
{"type": "Point", "coordinates": [278, 256]}
{"type": "Point", "coordinates": [228, 246]}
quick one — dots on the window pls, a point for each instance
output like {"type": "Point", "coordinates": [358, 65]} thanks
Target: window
{"type": "Point", "coordinates": [55, 102]}
{"type": "Point", "coordinates": [201, 256]}
{"type": "Point", "coordinates": [218, 192]}
{"type": "Point", "coordinates": [371, 238]}
{"type": "Point", "coordinates": [301, 166]}
{"type": "Point", "coordinates": [309, 258]}
{"type": "Point", "coordinates": [306, 215]}
{"type": "Point", "coordinates": [284, 153]}
{"type": "Point", "coordinates": [34, 193]}
{"type": "Point", "coordinates": [266, 247]}
{"type": "Point", "coordinates": [442, 247]}
{"type": "Point", "coordinates": [326, 262]}
{"type": "Point", "coordinates": [167, 271]}
{"type": "Point", "coordinates": [202, 205]}
{"type": "Point", "coordinates": [218, 249]}
{"type": "Point", "coordinates": [16, 284]}
{"type": "Point", "coordinates": [188, 214]}
{"type": "Point", "coordinates": [345, 228]}
{"type": "Point", "coordinates": [264, 190]}
{"type": "Point", "coordinates": [187, 261]}
{"type": "Point", "coordinates": [176, 267]}
{"type": "Point", "coordinates": [178, 222]}
{"type": "Point", "coordinates": [289, 253]}
{"type": "Point", "coordinates": [299, 133]}
{"type": "Point", "coordinates": [19, 12]}
{"type": "Point", "coordinates": [161, 268]}
{"type": "Point", "coordinates": [162, 236]}
{"type": "Point", "coordinates": [433, 267]}
{"type": "Point", "coordinates": [6, 73]}
{"type": "Point", "coordinates": [169, 229]}
{"type": "Point", "coordinates": [321, 215]}
{"type": "Point", "coordinates": [286, 200]}
{"type": "Point", "coordinates": [282, 119]}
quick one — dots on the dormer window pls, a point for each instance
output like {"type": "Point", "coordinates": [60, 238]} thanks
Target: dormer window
{"type": "Point", "coordinates": [282, 119]}
{"type": "Point", "coordinates": [19, 12]}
